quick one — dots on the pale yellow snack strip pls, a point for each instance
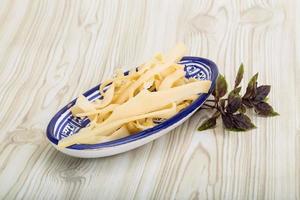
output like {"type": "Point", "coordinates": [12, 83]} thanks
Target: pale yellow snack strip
{"type": "Point", "coordinates": [169, 80]}
{"type": "Point", "coordinates": [83, 105]}
{"type": "Point", "coordinates": [157, 100]}
{"type": "Point", "coordinates": [88, 135]}
{"type": "Point", "coordinates": [174, 56]}
{"type": "Point", "coordinates": [120, 133]}
{"type": "Point", "coordinates": [107, 109]}
{"type": "Point", "coordinates": [107, 97]}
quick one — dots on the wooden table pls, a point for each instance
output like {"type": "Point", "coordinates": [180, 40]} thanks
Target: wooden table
{"type": "Point", "coordinates": [52, 51]}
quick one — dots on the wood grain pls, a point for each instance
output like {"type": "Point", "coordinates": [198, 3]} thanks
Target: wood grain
{"type": "Point", "coordinates": [52, 51]}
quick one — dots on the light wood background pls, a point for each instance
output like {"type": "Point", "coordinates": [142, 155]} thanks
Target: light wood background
{"type": "Point", "coordinates": [52, 51]}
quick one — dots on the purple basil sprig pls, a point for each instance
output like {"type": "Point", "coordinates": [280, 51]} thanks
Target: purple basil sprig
{"type": "Point", "coordinates": [232, 109]}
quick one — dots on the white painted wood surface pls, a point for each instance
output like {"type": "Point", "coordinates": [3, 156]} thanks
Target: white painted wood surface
{"type": "Point", "coordinates": [51, 51]}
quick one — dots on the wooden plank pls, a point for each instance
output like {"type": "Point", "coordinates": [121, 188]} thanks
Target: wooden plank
{"type": "Point", "coordinates": [51, 51]}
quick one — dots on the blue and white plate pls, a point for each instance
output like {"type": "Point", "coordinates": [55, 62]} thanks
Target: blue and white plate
{"type": "Point", "coordinates": [64, 124]}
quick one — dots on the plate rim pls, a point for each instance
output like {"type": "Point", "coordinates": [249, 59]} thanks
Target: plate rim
{"type": "Point", "coordinates": [145, 133]}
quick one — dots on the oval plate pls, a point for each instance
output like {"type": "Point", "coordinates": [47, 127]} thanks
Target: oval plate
{"type": "Point", "coordinates": [64, 124]}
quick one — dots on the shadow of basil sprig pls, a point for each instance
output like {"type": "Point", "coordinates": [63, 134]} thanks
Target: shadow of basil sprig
{"type": "Point", "coordinates": [232, 109]}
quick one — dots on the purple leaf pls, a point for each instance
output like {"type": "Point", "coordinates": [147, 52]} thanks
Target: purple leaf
{"type": "Point", "coordinates": [237, 122]}
{"type": "Point", "coordinates": [221, 87]}
{"type": "Point", "coordinates": [251, 88]}
{"type": "Point", "coordinates": [234, 104]}
{"type": "Point", "coordinates": [209, 123]}
{"type": "Point", "coordinates": [262, 92]}
{"type": "Point", "coordinates": [239, 76]}
{"type": "Point", "coordinates": [264, 109]}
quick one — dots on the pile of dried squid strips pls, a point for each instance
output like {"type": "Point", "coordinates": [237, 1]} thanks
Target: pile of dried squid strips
{"type": "Point", "coordinates": [131, 103]}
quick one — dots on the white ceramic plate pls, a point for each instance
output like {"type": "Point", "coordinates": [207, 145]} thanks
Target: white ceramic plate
{"type": "Point", "coordinates": [64, 124]}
